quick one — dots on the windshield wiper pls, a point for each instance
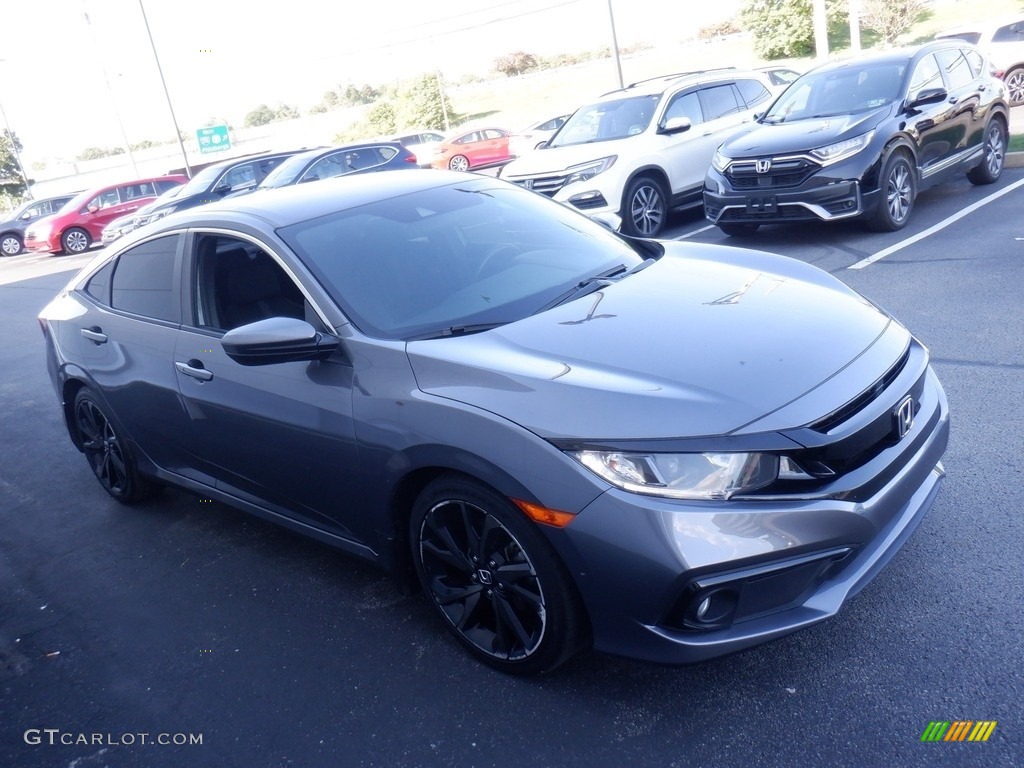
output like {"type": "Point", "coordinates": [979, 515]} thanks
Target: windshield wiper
{"type": "Point", "coordinates": [456, 330]}
{"type": "Point", "coordinates": [595, 283]}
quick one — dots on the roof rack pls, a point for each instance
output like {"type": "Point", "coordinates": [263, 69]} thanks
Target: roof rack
{"type": "Point", "coordinates": [669, 78]}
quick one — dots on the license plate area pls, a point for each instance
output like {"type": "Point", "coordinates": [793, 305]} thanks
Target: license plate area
{"type": "Point", "coordinates": [762, 204]}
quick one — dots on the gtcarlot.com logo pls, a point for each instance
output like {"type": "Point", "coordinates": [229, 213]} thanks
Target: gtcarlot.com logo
{"type": "Point", "coordinates": [958, 730]}
{"type": "Point", "coordinates": [54, 736]}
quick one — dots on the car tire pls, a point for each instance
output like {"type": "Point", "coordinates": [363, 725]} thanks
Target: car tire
{"type": "Point", "coordinates": [897, 191]}
{"type": "Point", "coordinates": [644, 207]}
{"type": "Point", "coordinates": [738, 229]}
{"type": "Point", "coordinates": [75, 240]}
{"type": "Point", "coordinates": [991, 166]}
{"type": "Point", "coordinates": [458, 163]}
{"type": "Point", "coordinates": [107, 452]}
{"type": "Point", "coordinates": [10, 244]}
{"type": "Point", "coordinates": [1014, 80]}
{"type": "Point", "coordinates": [496, 581]}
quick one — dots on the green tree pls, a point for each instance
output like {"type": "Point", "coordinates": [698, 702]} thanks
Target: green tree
{"type": "Point", "coordinates": [95, 153]}
{"type": "Point", "coordinates": [891, 18]}
{"type": "Point", "coordinates": [285, 112]}
{"type": "Point", "coordinates": [12, 183]}
{"type": "Point", "coordinates": [423, 103]}
{"type": "Point", "coordinates": [785, 28]}
{"type": "Point", "coordinates": [382, 118]}
{"type": "Point", "coordinates": [259, 116]}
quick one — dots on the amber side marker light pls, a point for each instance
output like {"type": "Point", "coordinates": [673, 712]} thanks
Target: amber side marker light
{"type": "Point", "coordinates": [540, 514]}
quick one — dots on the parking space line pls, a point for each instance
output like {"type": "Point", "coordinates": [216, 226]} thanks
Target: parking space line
{"type": "Point", "coordinates": [936, 228]}
{"type": "Point", "coordinates": [695, 232]}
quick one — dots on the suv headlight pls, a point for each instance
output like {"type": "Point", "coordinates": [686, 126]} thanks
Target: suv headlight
{"type": "Point", "coordinates": [717, 476]}
{"type": "Point", "coordinates": [841, 150]}
{"type": "Point", "coordinates": [586, 171]}
{"type": "Point", "coordinates": [720, 162]}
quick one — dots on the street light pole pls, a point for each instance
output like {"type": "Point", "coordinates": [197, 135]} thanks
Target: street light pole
{"type": "Point", "coordinates": [177, 131]}
{"type": "Point", "coordinates": [615, 44]}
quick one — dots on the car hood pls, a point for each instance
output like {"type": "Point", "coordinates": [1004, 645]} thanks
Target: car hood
{"type": "Point", "coordinates": [800, 136]}
{"type": "Point", "coordinates": [556, 159]}
{"type": "Point", "coordinates": [692, 346]}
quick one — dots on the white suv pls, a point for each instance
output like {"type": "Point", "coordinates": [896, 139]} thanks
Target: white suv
{"type": "Point", "coordinates": [642, 150]}
{"type": "Point", "coordinates": [1002, 40]}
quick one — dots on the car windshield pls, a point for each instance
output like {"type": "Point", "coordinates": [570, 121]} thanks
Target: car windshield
{"type": "Point", "coordinates": [285, 173]}
{"type": "Point", "coordinates": [607, 120]}
{"type": "Point", "coordinates": [202, 181]}
{"type": "Point", "coordinates": [456, 258]}
{"type": "Point", "coordinates": [844, 91]}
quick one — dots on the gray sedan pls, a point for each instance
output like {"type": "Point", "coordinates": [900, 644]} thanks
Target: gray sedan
{"type": "Point", "coordinates": [569, 438]}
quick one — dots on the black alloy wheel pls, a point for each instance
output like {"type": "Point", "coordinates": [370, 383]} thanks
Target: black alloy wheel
{"type": "Point", "coordinates": [501, 589]}
{"type": "Point", "coordinates": [898, 188]}
{"type": "Point", "coordinates": [991, 167]}
{"type": "Point", "coordinates": [107, 453]}
{"type": "Point", "coordinates": [645, 208]}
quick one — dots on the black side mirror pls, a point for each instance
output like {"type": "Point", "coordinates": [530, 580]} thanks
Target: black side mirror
{"type": "Point", "coordinates": [928, 96]}
{"type": "Point", "coordinates": [277, 340]}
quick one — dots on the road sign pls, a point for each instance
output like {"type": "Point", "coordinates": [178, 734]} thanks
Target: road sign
{"type": "Point", "coordinates": [213, 139]}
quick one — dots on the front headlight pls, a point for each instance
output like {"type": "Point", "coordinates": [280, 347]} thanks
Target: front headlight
{"type": "Point", "coordinates": [587, 171]}
{"type": "Point", "coordinates": [841, 150]}
{"type": "Point", "coordinates": [717, 476]}
{"type": "Point", "coordinates": [720, 162]}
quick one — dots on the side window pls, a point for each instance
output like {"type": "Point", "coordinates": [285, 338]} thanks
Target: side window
{"type": "Point", "coordinates": [386, 153]}
{"type": "Point", "coordinates": [753, 92]}
{"type": "Point", "coordinates": [976, 61]}
{"type": "Point", "coordinates": [163, 186]}
{"type": "Point", "coordinates": [958, 71]}
{"type": "Point", "coordinates": [240, 175]}
{"type": "Point", "coordinates": [143, 281]}
{"type": "Point", "coordinates": [1011, 33]}
{"type": "Point", "coordinates": [263, 167]}
{"type": "Point", "coordinates": [926, 75]}
{"type": "Point", "coordinates": [99, 284]}
{"type": "Point", "coordinates": [492, 134]}
{"type": "Point", "coordinates": [719, 101]}
{"type": "Point", "coordinates": [685, 105]}
{"type": "Point", "coordinates": [326, 167]}
{"type": "Point", "coordinates": [237, 283]}
{"type": "Point", "coordinates": [136, 191]}
{"type": "Point", "coordinates": [105, 199]}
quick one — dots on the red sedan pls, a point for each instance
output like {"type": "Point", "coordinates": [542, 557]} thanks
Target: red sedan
{"type": "Point", "coordinates": [473, 149]}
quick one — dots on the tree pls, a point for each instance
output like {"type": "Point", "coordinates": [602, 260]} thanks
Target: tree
{"type": "Point", "coordinates": [891, 18]}
{"type": "Point", "coordinates": [785, 28]}
{"type": "Point", "coordinates": [423, 103]}
{"type": "Point", "coordinates": [12, 183]}
{"type": "Point", "coordinates": [515, 63]}
{"type": "Point", "coordinates": [95, 153]}
{"type": "Point", "coordinates": [259, 116]}
{"type": "Point", "coordinates": [382, 118]}
{"type": "Point", "coordinates": [285, 112]}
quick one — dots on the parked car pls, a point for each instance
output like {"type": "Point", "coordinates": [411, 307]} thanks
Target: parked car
{"type": "Point", "coordinates": [535, 135]}
{"type": "Point", "coordinates": [12, 231]}
{"type": "Point", "coordinates": [125, 224]}
{"type": "Point", "coordinates": [780, 76]}
{"type": "Point", "coordinates": [217, 181]}
{"type": "Point", "coordinates": [319, 164]}
{"type": "Point", "coordinates": [422, 143]}
{"type": "Point", "coordinates": [450, 376]}
{"type": "Point", "coordinates": [639, 151]}
{"type": "Point", "coordinates": [860, 138]}
{"type": "Point", "coordinates": [80, 222]}
{"type": "Point", "coordinates": [1002, 41]}
{"type": "Point", "coordinates": [473, 149]}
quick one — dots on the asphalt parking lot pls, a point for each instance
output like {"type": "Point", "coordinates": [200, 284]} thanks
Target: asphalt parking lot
{"type": "Point", "coordinates": [185, 618]}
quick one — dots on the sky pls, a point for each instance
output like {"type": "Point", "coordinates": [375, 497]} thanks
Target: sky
{"type": "Point", "coordinates": [78, 65]}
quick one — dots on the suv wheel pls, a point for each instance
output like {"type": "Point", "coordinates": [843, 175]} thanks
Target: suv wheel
{"type": "Point", "coordinates": [991, 167]}
{"type": "Point", "coordinates": [897, 192]}
{"type": "Point", "coordinates": [644, 207]}
{"type": "Point", "coordinates": [1015, 85]}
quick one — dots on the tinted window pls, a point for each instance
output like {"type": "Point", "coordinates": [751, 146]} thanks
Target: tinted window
{"type": "Point", "coordinates": [164, 186]}
{"type": "Point", "coordinates": [135, 191]}
{"type": "Point", "coordinates": [99, 284]}
{"type": "Point", "coordinates": [239, 176]}
{"type": "Point", "coordinates": [326, 167]}
{"type": "Point", "coordinates": [1011, 33]}
{"type": "Point", "coordinates": [106, 199]}
{"type": "Point", "coordinates": [976, 62]}
{"type": "Point", "coordinates": [685, 105]}
{"type": "Point", "coordinates": [926, 75]}
{"type": "Point", "coordinates": [719, 101]}
{"type": "Point", "coordinates": [958, 71]}
{"type": "Point", "coordinates": [143, 281]}
{"type": "Point", "coordinates": [753, 92]}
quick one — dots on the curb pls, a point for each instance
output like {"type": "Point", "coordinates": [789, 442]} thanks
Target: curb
{"type": "Point", "coordinates": [1014, 160]}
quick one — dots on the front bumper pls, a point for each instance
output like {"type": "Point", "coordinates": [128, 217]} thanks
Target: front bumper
{"type": "Point", "coordinates": [43, 244]}
{"type": "Point", "coordinates": [644, 565]}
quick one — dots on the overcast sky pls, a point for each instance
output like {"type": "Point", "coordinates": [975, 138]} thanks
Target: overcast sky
{"type": "Point", "coordinates": [222, 58]}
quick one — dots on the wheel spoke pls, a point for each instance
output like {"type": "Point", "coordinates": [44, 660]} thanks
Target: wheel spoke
{"type": "Point", "coordinates": [508, 619]}
{"type": "Point", "coordinates": [456, 556]}
{"type": "Point", "coordinates": [454, 559]}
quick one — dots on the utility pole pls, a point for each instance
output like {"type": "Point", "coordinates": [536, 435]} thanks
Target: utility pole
{"type": "Point", "coordinates": [615, 43]}
{"type": "Point", "coordinates": [167, 94]}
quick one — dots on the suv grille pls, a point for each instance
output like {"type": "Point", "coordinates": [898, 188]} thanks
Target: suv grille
{"type": "Point", "coordinates": [784, 172]}
{"type": "Point", "coordinates": [545, 185]}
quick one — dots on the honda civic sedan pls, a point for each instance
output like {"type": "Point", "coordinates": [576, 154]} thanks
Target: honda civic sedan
{"type": "Point", "coordinates": [568, 438]}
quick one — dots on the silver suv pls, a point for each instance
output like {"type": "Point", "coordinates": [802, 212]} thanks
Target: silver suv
{"type": "Point", "coordinates": [642, 150]}
{"type": "Point", "coordinates": [1002, 41]}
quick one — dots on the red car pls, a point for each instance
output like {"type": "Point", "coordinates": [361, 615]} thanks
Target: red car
{"type": "Point", "coordinates": [81, 221]}
{"type": "Point", "coordinates": [473, 149]}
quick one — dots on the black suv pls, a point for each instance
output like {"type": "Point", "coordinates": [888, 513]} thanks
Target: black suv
{"type": "Point", "coordinates": [860, 138]}
{"type": "Point", "coordinates": [216, 182]}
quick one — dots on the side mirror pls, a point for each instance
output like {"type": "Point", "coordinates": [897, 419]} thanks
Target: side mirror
{"type": "Point", "coordinates": [277, 340]}
{"type": "Point", "coordinates": [676, 125]}
{"type": "Point", "coordinates": [93, 208]}
{"type": "Point", "coordinates": [611, 221]}
{"type": "Point", "coordinates": [928, 96]}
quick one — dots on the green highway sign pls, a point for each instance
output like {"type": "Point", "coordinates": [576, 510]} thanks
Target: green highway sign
{"type": "Point", "coordinates": [213, 139]}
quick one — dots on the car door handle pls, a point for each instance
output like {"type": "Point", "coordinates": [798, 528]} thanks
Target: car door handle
{"type": "Point", "coordinates": [195, 369]}
{"type": "Point", "coordinates": [95, 334]}
{"type": "Point", "coordinates": [953, 99]}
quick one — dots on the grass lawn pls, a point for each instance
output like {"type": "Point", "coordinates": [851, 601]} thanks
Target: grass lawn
{"type": "Point", "coordinates": [1016, 143]}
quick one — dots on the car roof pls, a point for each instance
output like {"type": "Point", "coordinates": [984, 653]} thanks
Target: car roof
{"type": "Point", "coordinates": [302, 202]}
{"type": "Point", "coordinates": [657, 85]}
{"type": "Point", "coordinates": [981, 27]}
{"type": "Point", "coordinates": [313, 154]}
{"type": "Point", "coordinates": [86, 194]}
{"type": "Point", "coordinates": [891, 55]}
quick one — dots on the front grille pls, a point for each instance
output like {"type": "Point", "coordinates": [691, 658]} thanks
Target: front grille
{"type": "Point", "coordinates": [545, 185]}
{"type": "Point", "coordinates": [860, 402]}
{"type": "Point", "coordinates": [784, 172]}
